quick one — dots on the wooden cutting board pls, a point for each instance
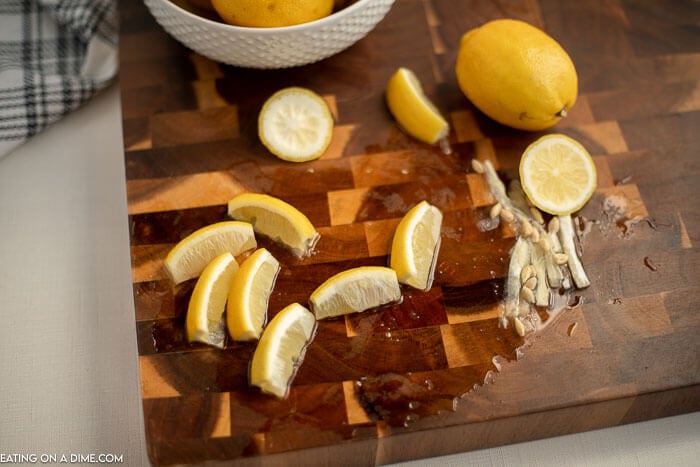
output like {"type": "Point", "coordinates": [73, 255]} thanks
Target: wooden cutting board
{"type": "Point", "coordinates": [627, 352]}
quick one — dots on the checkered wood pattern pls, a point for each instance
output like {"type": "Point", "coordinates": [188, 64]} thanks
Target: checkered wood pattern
{"type": "Point", "coordinates": [190, 145]}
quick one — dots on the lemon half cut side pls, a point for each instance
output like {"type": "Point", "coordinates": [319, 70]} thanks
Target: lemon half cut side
{"type": "Point", "coordinates": [281, 349]}
{"type": "Point", "coordinates": [355, 290]}
{"type": "Point", "coordinates": [277, 220]}
{"type": "Point", "coordinates": [188, 258]}
{"type": "Point", "coordinates": [249, 294]}
{"type": "Point", "coordinates": [558, 174]}
{"type": "Point", "coordinates": [295, 124]}
{"type": "Point", "coordinates": [415, 245]}
{"type": "Point", "coordinates": [413, 110]}
{"type": "Point", "coordinates": [204, 321]}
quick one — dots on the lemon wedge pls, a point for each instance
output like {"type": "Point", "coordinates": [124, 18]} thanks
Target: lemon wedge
{"type": "Point", "coordinates": [246, 309]}
{"type": "Point", "coordinates": [275, 219]}
{"type": "Point", "coordinates": [281, 349]}
{"type": "Point", "coordinates": [204, 321]}
{"type": "Point", "coordinates": [295, 124]}
{"type": "Point", "coordinates": [354, 290]}
{"type": "Point", "coordinates": [190, 256]}
{"type": "Point", "coordinates": [557, 174]}
{"type": "Point", "coordinates": [413, 110]}
{"type": "Point", "coordinates": [415, 245]}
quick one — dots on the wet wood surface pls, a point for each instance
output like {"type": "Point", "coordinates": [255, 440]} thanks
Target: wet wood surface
{"type": "Point", "coordinates": [406, 381]}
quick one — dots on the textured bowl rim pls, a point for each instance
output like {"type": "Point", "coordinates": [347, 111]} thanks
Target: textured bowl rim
{"type": "Point", "coordinates": [275, 30]}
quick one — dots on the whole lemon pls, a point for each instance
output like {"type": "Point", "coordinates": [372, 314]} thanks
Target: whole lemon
{"type": "Point", "coordinates": [271, 13]}
{"type": "Point", "coordinates": [516, 74]}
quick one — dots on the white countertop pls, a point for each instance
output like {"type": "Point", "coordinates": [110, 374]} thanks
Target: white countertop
{"type": "Point", "coordinates": [68, 358]}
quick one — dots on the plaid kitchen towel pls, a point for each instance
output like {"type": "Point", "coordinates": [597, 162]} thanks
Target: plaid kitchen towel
{"type": "Point", "coordinates": [54, 55]}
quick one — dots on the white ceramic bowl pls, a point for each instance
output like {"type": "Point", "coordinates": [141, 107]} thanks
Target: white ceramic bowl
{"type": "Point", "coordinates": [270, 47]}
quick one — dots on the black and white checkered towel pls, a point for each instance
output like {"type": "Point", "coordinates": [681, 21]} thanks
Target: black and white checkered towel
{"type": "Point", "coordinates": [54, 55]}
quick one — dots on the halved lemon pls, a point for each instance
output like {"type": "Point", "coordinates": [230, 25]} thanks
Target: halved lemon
{"type": "Point", "coordinates": [558, 174]}
{"type": "Point", "coordinates": [190, 256]}
{"type": "Point", "coordinates": [295, 124]}
{"type": "Point", "coordinates": [415, 245]}
{"type": "Point", "coordinates": [246, 309]}
{"type": "Point", "coordinates": [281, 349]}
{"type": "Point", "coordinates": [412, 109]}
{"type": "Point", "coordinates": [354, 290]}
{"type": "Point", "coordinates": [275, 219]}
{"type": "Point", "coordinates": [204, 321]}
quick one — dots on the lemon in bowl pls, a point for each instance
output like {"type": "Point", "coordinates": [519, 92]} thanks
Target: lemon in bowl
{"type": "Point", "coordinates": [268, 47]}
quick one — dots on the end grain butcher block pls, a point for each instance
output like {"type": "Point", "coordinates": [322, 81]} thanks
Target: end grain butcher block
{"type": "Point", "coordinates": [434, 374]}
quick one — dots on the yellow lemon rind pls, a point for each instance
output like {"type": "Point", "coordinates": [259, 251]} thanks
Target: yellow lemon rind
{"type": "Point", "coordinates": [516, 74]}
{"type": "Point", "coordinates": [258, 14]}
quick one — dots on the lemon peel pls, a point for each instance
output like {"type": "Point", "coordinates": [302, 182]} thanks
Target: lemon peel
{"type": "Point", "coordinates": [516, 74]}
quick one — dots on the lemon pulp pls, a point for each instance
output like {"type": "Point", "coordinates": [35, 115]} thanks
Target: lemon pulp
{"type": "Point", "coordinates": [557, 174]}
{"type": "Point", "coordinates": [295, 124]}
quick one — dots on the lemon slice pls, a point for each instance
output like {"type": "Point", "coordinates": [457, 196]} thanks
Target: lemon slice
{"type": "Point", "coordinates": [246, 309]}
{"type": "Point", "coordinates": [281, 349]}
{"type": "Point", "coordinates": [557, 174]}
{"type": "Point", "coordinates": [413, 110]}
{"type": "Point", "coordinates": [295, 124]}
{"type": "Point", "coordinates": [204, 322]}
{"type": "Point", "coordinates": [354, 290]}
{"type": "Point", "coordinates": [189, 256]}
{"type": "Point", "coordinates": [415, 245]}
{"type": "Point", "coordinates": [275, 219]}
